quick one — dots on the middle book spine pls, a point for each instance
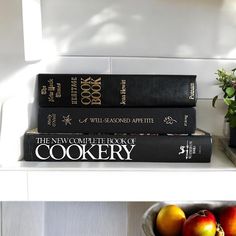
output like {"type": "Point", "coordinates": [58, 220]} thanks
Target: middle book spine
{"type": "Point", "coordinates": [117, 120]}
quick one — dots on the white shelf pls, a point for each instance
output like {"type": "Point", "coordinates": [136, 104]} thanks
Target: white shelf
{"type": "Point", "coordinates": [123, 181]}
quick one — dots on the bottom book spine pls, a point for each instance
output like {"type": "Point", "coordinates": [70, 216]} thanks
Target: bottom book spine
{"type": "Point", "coordinates": [111, 148]}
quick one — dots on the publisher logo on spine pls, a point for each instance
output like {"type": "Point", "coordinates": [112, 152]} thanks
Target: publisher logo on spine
{"type": "Point", "coordinates": [187, 150]}
{"type": "Point", "coordinates": [169, 120]}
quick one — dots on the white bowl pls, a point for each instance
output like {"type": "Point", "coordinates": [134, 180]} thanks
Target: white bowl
{"type": "Point", "coordinates": [149, 217]}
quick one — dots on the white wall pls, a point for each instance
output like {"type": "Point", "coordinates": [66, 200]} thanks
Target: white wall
{"type": "Point", "coordinates": [151, 28]}
{"type": "Point", "coordinates": [0, 219]}
{"type": "Point", "coordinates": [86, 219]}
{"type": "Point", "coordinates": [72, 218]}
{"type": "Point", "coordinates": [22, 218]}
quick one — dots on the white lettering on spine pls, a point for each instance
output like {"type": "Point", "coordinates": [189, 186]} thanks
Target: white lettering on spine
{"type": "Point", "coordinates": [87, 152]}
{"type": "Point", "coordinates": [100, 151]}
{"type": "Point", "coordinates": [79, 149]}
{"type": "Point", "coordinates": [116, 152]}
{"type": "Point", "coordinates": [37, 152]}
{"type": "Point", "coordinates": [63, 151]}
{"type": "Point", "coordinates": [83, 152]}
{"type": "Point", "coordinates": [128, 152]}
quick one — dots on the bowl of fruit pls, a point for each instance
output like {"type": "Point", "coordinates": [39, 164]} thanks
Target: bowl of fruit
{"type": "Point", "coordinates": [190, 219]}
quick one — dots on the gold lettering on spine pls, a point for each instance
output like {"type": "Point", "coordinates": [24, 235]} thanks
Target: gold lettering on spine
{"type": "Point", "coordinates": [85, 91]}
{"type": "Point", "coordinates": [90, 91]}
{"type": "Point", "coordinates": [44, 90]}
{"type": "Point", "coordinates": [192, 91]}
{"type": "Point", "coordinates": [74, 90]}
{"type": "Point", "coordinates": [52, 120]}
{"type": "Point", "coordinates": [123, 92]}
{"type": "Point", "coordinates": [52, 90]}
{"type": "Point", "coordinates": [58, 93]}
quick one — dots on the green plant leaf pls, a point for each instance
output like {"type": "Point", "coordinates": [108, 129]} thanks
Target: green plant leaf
{"type": "Point", "coordinates": [230, 91]}
{"type": "Point", "coordinates": [233, 105]}
{"type": "Point", "coordinates": [214, 100]}
{"type": "Point", "coordinates": [227, 82]}
{"type": "Point", "coordinates": [231, 111]}
{"type": "Point", "coordinates": [227, 101]}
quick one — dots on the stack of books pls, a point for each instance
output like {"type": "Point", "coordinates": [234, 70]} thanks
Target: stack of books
{"type": "Point", "coordinates": [98, 117]}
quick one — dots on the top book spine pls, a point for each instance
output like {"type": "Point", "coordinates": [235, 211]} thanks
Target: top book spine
{"type": "Point", "coordinates": [113, 90]}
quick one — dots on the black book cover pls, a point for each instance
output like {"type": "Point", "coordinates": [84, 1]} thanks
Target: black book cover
{"type": "Point", "coordinates": [118, 147]}
{"type": "Point", "coordinates": [117, 120]}
{"type": "Point", "coordinates": [110, 90]}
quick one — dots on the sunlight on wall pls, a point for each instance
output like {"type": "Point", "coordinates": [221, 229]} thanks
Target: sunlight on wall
{"type": "Point", "coordinates": [32, 29]}
{"type": "Point", "coordinates": [109, 34]}
{"type": "Point", "coordinates": [104, 16]}
{"type": "Point", "coordinates": [49, 49]}
{"type": "Point", "coordinates": [21, 82]}
{"type": "Point", "coordinates": [109, 31]}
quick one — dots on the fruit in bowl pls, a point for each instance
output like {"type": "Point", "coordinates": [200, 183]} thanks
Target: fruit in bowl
{"type": "Point", "coordinates": [170, 220]}
{"type": "Point", "coordinates": [202, 223]}
{"type": "Point", "coordinates": [217, 219]}
{"type": "Point", "coordinates": [227, 220]}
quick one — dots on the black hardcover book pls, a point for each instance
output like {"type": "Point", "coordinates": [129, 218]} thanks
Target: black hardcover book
{"type": "Point", "coordinates": [109, 90]}
{"type": "Point", "coordinates": [119, 147]}
{"type": "Point", "coordinates": [117, 120]}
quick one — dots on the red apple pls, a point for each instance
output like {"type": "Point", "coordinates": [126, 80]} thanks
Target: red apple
{"type": "Point", "coordinates": [227, 219]}
{"type": "Point", "coordinates": [202, 223]}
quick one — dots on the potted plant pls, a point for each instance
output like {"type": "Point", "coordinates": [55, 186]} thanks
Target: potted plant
{"type": "Point", "coordinates": [227, 82]}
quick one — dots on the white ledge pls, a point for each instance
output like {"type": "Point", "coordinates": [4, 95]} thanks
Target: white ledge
{"type": "Point", "coordinates": [67, 181]}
